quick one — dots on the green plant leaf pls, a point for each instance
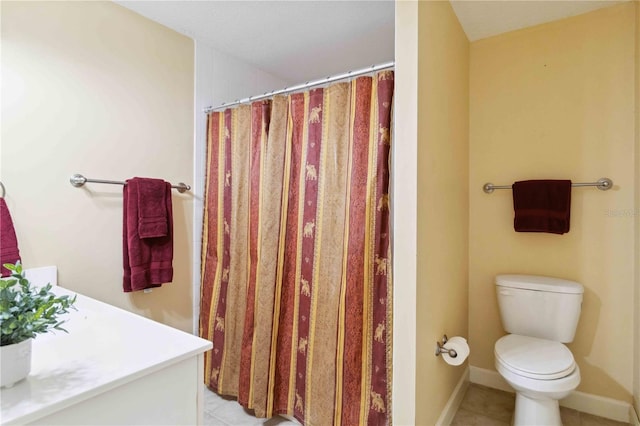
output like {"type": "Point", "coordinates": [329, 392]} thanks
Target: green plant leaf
{"type": "Point", "coordinates": [10, 266]}
{"type": "Point", "coordinates": [26, 311]}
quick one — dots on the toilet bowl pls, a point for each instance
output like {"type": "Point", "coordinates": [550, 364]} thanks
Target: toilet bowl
{"type": "Point", "coordinates": [541, 371]}
{"type": "Point", "coordinates": [541, 313]}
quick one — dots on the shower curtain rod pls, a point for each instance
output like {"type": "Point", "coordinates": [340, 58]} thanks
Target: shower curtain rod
{"type": "Point", "coordinates": [306, 85]}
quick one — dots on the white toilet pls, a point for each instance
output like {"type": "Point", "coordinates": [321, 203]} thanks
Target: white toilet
{"type": "Point", "coordinates": [540, 313]}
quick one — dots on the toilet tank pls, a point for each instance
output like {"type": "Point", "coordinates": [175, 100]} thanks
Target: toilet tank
{"type": "Point", "coordinates": [537, 306]}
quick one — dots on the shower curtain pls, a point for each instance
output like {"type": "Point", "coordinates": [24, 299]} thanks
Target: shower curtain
{"type": "Point", "coordinates": [296, 268]}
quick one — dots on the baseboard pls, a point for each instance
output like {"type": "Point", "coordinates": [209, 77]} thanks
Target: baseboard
{"type": "Point", "coordinates": [635, 418]}
{"type": "Point", "coordinates": [609, 408]}
{"type": "Point", "coordinates": [598, 406]}
{"type": "Point", "coordinates": [488, 378]}
{"type": "Point", "coordinates": [452, 405]}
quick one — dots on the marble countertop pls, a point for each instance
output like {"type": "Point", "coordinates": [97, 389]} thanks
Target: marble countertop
{"type": "Point", "coordinates": [106, 347]}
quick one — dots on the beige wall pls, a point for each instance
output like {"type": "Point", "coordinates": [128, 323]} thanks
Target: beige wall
{"type": "Point", "coordinates": [557, 101]}
{"type": "Point", "coordinates": [443, 201]}
{"type": "Point", "coordinates": [636, 374]}
{"type": "Point", "coordinates": [93, 88]}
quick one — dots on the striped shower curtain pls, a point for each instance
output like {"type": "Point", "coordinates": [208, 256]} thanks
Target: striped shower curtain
{"type": "Point", "coordinates": [296, 279]}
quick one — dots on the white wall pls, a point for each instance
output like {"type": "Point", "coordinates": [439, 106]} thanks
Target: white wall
{"type": "Point", "coordinates": [220, 78]}
{"type": "Point", "coordinates": [404, 176]}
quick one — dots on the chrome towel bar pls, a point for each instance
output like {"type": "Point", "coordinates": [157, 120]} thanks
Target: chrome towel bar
{"type": "Point", "coordinates": [78, 180]}
{"type": "Point", "coordinates": [602, 184]}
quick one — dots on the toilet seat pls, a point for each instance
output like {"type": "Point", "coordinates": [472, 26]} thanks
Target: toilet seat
{"type": "Point", "coordinates": [534, 358]}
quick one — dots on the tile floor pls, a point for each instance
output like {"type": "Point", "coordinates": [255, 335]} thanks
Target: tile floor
{"type": "Point", "coordinates": [481, 406]}
{"type": "Point", "coordinates": [221, 411]}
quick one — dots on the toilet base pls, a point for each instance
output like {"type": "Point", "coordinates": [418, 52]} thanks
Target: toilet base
{"type": "Point", "coordinates": [530, 411]}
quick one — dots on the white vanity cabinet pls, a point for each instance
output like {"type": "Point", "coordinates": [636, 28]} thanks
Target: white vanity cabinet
{"type": "Point", "coordinates": [112, 368]}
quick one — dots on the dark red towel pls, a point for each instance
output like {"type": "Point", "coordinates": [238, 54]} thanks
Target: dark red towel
{"type": "Point", "coordinates": [9, 252]}
{"type": "Point", "coordinates": [147, 261]}
{"type": "Point", "coordinates": [542, 206]}
{"type": "Point", "coordinates": [152, 212]}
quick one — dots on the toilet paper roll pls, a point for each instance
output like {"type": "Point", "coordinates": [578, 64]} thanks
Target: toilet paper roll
{"type": "Point", "coordinates": [459, 344]}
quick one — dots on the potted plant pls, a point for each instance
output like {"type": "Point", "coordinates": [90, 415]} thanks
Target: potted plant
{"type": "Point", "coordinates": [25, 311]}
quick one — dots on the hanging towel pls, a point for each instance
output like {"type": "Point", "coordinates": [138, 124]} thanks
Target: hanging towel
{"type": "Point", "coordinates": [152, 211]}
{"type": "Point", "coordinates": [542, 206]}
{"type": "Point", "coordinates": [9, 252]}
{"type": "Point", "coordinates": [147, 261]}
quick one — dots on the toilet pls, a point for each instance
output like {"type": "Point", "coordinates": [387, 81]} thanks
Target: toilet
{"type": "Point", "coordinates": [540, 314]}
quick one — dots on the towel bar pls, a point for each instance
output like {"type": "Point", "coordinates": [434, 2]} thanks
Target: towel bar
{"type": "Point", "coordinates": [3, 191]}
{"type": "Point", "coordinates": [602, 184]}
{"type": "Point", "coordinates": [78, 180]}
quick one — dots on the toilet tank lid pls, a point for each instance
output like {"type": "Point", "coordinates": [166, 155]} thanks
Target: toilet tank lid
{"type": "Point", "coordinates": [539, 283]}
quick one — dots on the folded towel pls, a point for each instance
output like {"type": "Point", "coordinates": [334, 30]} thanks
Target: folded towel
{"type": "Point", "coordinates": [152, 211]}
{"type": "Point", "coordinates": [542, 206]}
{"type": "Point", "coordinates": [9, 252]}
{"type": "Point", "coordinates": [147, 261]}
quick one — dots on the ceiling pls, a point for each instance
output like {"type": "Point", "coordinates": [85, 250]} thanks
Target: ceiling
{"type": "Point", "coordinates": [481, 18]}
{"type": "Point", "coordinates": [296, 41]}
{"type": "Point", "coordinates": [299, 41]}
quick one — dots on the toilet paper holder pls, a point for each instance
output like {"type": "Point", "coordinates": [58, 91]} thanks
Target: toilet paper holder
{"type": "Point", "coordinates": [441, 349]}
